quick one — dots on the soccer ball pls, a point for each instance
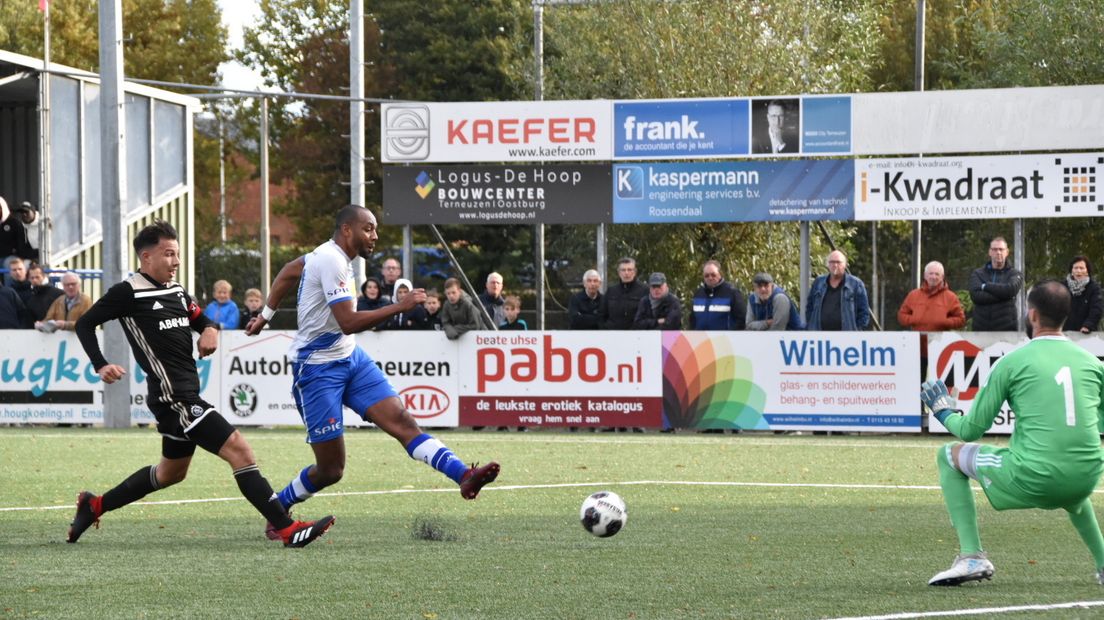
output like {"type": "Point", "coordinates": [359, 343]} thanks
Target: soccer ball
{"type": "Point", "coordinates": [603, 514]}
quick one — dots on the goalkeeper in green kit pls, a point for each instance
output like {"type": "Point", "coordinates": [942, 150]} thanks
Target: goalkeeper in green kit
{"type": "Point", "coordinates": [1054, 458]}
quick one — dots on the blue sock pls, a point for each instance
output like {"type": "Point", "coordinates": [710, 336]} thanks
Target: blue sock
{"type": "Point", "coordinates": [298, 490]}
{"type": "Point", "coordinates": [432, 452]}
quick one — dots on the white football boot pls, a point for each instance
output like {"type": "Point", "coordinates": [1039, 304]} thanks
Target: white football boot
{"type": "Point", "coordinates": [1100, 577]}
{"type": "Point", "coordinates": [974, 567]}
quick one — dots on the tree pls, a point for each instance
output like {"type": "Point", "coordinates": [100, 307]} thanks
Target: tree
{"type": "Point", "coordinates": [712, 48]}
{"type": "Point", "coordinates": [169, 40]}
{"type": "Point", "coordinates": [301, 45]}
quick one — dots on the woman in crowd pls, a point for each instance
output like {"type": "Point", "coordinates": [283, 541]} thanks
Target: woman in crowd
{"type": "Point", "coordinates": [1087, 306]}
{"type": "Point", "coordinates": [370, 296]}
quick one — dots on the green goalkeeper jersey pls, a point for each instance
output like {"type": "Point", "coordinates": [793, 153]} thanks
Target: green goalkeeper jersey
{"type": "Point", "coordinates": [1056, 389]}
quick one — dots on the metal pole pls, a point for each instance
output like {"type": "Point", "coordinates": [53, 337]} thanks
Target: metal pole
{"type": "Point", "coordinates": [803, 279]}
{"type": "Point", "coordinates": [266, 251]}
{"type": "Point", "coordinates": [917, 225]}
{"type": "Point", "coordinates": [538, 230]}
{"type": "Point", "coordinates": [44, 219]}
{"type": "Point", "coordinates": [874, 290]}
{"type": "Point", "coordinates": [408, 252]}
{"type": "Point", "coordinates": [356, 117]}
{"type": "Point", "coordinates": [1018, 263]}
{"type": "Point", "coordinates": [222, 181]}
{"type": "Point", "coordinates": [113, 197]}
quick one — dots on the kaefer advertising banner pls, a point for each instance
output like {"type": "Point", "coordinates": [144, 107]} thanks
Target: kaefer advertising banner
{"type": "Point", "coordinates": [992, 187]}
{"type": "Point", "coordinates": [496, 131]}
{"type": "Point", "coordinates": [520, 194]}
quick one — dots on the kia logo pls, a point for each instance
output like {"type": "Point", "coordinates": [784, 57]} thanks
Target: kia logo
{"type": "Point", "coordinates": [425, 401]}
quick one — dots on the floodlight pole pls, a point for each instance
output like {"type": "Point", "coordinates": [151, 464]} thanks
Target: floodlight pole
{"type": "Point", "coordinates": [917, 225]}
{"type": "Point", "coordinates": [266, 250]}
{"type": "Point", "coordinates": [538, 95]}
{"type": "Point", "coordinates": [356, 117]}
{"type": "Point", "coordinates": [114, 199]}
{"type": "Point", "coordinates": [45, 221]}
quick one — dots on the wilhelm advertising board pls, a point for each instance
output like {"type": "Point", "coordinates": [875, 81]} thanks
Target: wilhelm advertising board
{"type": "Point", "coordinates": [521, 194]}
{"type": "Point", "coordinates": [496, 131]}
{"type": "Point", "coordinates": [560, 379]}
{"type": "Point", "coordinates": [991, 187]}
{"type": "Point", "coordinates": [795, 380]}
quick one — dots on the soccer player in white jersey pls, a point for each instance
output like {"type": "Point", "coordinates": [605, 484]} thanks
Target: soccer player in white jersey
{"type": "Point", "coordinates": [330, 371]}
{"type": "Point", "coordinates": [1053, 460]}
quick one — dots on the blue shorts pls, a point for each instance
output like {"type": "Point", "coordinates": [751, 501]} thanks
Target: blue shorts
{"type": "Point", "coordinates": [320, 391]}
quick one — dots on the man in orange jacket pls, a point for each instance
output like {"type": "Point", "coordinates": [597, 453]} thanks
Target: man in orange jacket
{"type": "Point", "coordinates": [933, 307]}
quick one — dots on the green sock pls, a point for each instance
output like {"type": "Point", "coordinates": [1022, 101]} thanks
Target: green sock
{"type": "Point", "coordinates": [959, 498]}
{"type": "Point", "coordinates": [1084, 519]}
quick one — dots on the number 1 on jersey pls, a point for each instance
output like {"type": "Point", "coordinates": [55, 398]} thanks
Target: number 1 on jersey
{"type": "Point", "coordinates": [1065, 379]}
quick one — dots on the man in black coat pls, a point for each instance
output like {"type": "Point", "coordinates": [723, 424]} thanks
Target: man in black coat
{"type": "Point", "coordinates": [660, 309]}
{"type": "Point", "coordinates": [619, 304]}
{"type": "Point", "coordinates": [40, 296]}
{"type": "Point", "coordinates": [994, 288]}
{"type": "Point", "coordinates": [582, 310]}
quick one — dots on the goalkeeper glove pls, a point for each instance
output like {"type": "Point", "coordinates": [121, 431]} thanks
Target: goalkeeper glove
{"type": "Point", "coordinates": [935, 396]}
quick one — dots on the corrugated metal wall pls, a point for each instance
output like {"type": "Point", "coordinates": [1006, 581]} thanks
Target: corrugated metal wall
{"type": "Point", "coordinates": [19, 153]}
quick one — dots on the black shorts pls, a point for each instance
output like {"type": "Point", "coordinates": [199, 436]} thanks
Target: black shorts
{"type": "Point", "coordinates": [189, 421]}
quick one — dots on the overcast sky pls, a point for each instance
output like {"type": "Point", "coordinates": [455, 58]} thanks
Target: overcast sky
{"type": "Point", "coordinates": [235, 15]}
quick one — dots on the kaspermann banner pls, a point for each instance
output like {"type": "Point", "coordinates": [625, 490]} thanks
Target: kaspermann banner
{"type": "Point", "coordinates": [733, 191]}
{"type": "Point", "coordinates": [989, 187]}
{"type": "Point", "coordinates": [496, 131]}
{"type": "Point", "coordinates": [518, 194]}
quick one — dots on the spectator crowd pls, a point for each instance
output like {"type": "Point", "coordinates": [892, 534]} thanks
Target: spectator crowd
{"type": "Point", "coordinates": [835, 301]}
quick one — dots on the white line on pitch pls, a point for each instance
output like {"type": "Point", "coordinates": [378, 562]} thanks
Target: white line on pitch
{"type": "Point", "coordinates": [980, 611]}
{"type": "Point", "coordinates": [523, 487]}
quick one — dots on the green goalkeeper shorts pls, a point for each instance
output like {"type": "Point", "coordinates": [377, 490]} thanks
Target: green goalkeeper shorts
{"type": "Point", "coordinates": [1010, 484]}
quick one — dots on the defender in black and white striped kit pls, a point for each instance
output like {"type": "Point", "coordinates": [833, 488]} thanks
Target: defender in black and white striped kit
{"type": "Point", "coordinates": [158, 317]}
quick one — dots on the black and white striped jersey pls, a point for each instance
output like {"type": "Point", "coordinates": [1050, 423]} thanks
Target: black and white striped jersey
{"type": "Point", "coordinates": [158, 320]}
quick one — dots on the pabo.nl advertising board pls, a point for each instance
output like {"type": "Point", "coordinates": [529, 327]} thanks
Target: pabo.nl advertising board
{"type": "Point", "coordinates": [560, 379]}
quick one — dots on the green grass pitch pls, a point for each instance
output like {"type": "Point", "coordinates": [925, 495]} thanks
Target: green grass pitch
{"type": "Point", "coordinates": [720, 526]}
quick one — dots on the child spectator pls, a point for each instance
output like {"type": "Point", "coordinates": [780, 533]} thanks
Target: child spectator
{"type": "Point", "coordinates": [433, 310]}
{"type": "Point", "coordinates": [459, 314]}
{"type": "Point", "coordinates": [253, 304]}
{"type": "Point", "coordinates": [415, 318]}
{"type": "Point", "coordinates": [512, 307]}
{"type": "Point", "coordinates": [223, 310]}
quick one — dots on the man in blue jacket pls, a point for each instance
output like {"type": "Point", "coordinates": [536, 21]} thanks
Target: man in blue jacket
{"type": "Point", "coordinates": [837, 301]}
{"type": "Point", "coordinates": [717, 304]}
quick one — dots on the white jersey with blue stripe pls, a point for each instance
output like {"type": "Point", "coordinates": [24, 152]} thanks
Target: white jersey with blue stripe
{"type": "Point", "coordinates": [327, 280]}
